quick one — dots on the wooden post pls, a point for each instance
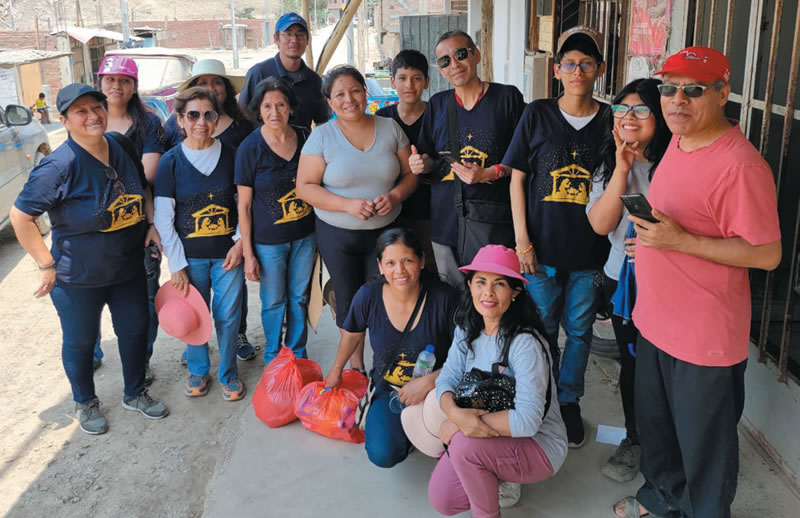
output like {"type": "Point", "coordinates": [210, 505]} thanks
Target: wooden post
{"type": "Point", "coordinates": [487, 29]}
{"type": "Point", "coordinates": [362, 37]}
{"type": "Point", "coordinates": [309, 51]}
{"type": "Point", "coordinates": [36, 25]}
{"type": "Point", "coordinates": [336, 35]}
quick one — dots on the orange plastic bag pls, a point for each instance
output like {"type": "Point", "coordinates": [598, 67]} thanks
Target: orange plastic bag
{"type": "Point", "coordinates": [274, 396]}
{"type": "Point", "coordinates": [332, 412]}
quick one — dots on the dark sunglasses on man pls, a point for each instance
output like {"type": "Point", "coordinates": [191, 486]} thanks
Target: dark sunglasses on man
{"type": "Point", "coordinates": [209, 115]}
{"type": "Point", "coordinates": [460, 54]}
{"type": "Point", "coordinates": [640, 111]}
{"type": "Point", "coordinates": [690, 91]}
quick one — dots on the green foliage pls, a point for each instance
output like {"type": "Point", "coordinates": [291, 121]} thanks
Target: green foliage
{"type": "Point", "coordinates": [246, 13]}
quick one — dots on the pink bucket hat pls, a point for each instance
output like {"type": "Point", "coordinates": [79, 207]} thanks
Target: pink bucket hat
{"type": "Point", "coordinates": [118, 65]}
{"type": "Point", "coordinates": [185, 318]}
{"type": "Point", "coordinates": [496, 259]}
{"type": "Point", "coordinates": [421, 424]}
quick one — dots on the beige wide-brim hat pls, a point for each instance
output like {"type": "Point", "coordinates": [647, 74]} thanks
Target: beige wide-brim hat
{"type": "Point", "coordinates": [421, 424]}
{"type": "Point", "coordinates": [212, 67]}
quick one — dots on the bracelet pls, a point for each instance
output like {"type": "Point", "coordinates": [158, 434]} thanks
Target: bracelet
{"type": "Point", "coordinates": [48, 267]}
{"type": "Point", "coordinates": [526, 251]}
{"type": "Point", "coordinates": [499, 172]}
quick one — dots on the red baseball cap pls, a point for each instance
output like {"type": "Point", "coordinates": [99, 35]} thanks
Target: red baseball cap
{"type": "Point", "coordinates": [701, 63]}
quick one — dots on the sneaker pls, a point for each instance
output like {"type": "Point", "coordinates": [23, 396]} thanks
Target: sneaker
{"type": "Point", "coordinates": [508, 494]}
{"type": "Point", "coordinates": [196, 385]}
{"type": "Point", "coordinates": [149, 407]}
{"type": "Point", "coordinates": [90, 418]}
{"type": "Point", "coordinates": [571, 414]}
{"type": "Point", "coordinates": [148, 375]}
{"type": "Point", "coordinates": [185, 357]}
{"type": "Point", "coordinates": [624, 464]}
{"type": "Point", "coordinates": [233, 390]}
{"type": "Point", "coordinates": [244, 349]}
{"type": "Point", "coordinates": [97, 363]}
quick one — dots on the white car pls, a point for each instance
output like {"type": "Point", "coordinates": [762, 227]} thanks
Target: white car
{"type": "Point", "coordinates": [23, 144]}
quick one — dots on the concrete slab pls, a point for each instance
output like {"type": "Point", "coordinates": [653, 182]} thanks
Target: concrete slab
{"type": "Point", "coordinates": [291, 471]}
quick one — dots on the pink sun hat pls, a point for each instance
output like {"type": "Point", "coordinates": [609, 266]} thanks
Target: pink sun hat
{"type": "Point", "coordinates": [118, 66]}
{"type": "Point", "coordinates": [421, 424]}
{"type": "Point", "coordinates": [496, 259]}
{"type": "Point", "coordinates": [185, 318]}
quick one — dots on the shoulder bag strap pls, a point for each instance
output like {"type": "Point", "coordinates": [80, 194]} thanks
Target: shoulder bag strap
{"type": "Point", "coordinates": [455, 150]}
{"type": "Point", "coordinates": [127, 145]}
{"type": "Point", "coordinates": [409, 325]}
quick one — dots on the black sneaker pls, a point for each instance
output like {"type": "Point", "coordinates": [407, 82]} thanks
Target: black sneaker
{"type": "Point", "coordinates": [244, 349]}
{"type": "Point", "coordinates": [571, 414]}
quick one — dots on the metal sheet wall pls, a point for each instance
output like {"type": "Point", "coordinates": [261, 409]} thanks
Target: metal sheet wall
{"type": "Point", "coordinates": [421, 33]}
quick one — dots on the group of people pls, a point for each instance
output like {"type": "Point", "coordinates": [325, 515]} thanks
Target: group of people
{"type": "Point", "coordinates": [530, 235]}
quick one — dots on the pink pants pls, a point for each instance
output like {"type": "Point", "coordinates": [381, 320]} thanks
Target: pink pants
{"type": "Point", "coordinates": [468, 478]}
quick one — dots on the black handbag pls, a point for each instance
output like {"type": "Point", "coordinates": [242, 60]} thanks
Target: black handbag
{"type": "Point", "coordinates": [495, 391]}
{"type": "Point", "coordinates": [480, 222]}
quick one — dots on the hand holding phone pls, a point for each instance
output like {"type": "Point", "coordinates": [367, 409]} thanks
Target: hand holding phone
{"type": "Point", "coordinates": [449, 157]}
{"type": "Point", "coordinates": [638, 206]}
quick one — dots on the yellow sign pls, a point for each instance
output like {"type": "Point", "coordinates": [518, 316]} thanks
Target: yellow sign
{"type": "Point", "coordinates": [211, 221]}
{"type": "Point", "coordinates": [126, 210]}
{"type": "Point", "coordinates": [293, 207]}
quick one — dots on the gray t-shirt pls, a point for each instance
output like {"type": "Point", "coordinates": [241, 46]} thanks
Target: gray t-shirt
{"type": "Point", "coordinates": [638, 181]}
{"type": "Point", "coordinates": [353, 173]}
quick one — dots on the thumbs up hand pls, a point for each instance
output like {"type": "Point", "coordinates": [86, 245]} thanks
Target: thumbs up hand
{"type": "Point", "coordinates": [416, 162]}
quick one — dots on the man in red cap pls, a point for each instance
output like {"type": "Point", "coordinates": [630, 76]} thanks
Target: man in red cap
{"type": "Point", "coordinates": [714, 198]}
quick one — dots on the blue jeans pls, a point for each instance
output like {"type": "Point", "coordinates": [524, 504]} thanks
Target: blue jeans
{"type": "Point", "coordinates": [385, 441]}
{"type": "Point", "coordinates": [285, 278]}
{"type": "Point", "coordinates": [568, 298]}
{"type": "Point", "coordinates": [79, 310]}
{"type": "Point", "coordinates": [152, 267]}
{"type": "Point", "coordinates": [207, 275]}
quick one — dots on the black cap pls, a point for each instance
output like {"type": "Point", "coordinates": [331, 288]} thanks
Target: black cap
{"type": "Point", "coordinates": [70, 93]}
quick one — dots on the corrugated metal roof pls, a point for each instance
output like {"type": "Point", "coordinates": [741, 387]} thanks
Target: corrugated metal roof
{"type": "Point", "coordinates": [9, 58]}
{"type": "Point", "coordinates": [84, 34]}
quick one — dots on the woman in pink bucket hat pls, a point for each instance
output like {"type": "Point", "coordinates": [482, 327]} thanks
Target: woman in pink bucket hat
{"type": "Point", "coordinates": [513, 415]}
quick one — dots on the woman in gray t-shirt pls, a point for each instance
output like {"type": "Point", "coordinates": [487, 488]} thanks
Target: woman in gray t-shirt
{"type": "Point", "coordinates": [354, 171]}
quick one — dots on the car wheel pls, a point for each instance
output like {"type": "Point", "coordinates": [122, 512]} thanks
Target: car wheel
{"type": "Point", "coordinates": [604, 342]}
{"type": "Point", "coordinates": [43, 221]}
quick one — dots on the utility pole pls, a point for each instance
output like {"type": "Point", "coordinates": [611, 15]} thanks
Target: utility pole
{"type": "Point", "coordinates": [126, 29]}
{"type": "Point", "coordinates": [234, 36]}
{"type": "Point", "coordinates": [11, 13]}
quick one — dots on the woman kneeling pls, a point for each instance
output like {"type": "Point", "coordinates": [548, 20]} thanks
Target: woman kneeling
{"type": "Point", "coordinates": [505, 430]}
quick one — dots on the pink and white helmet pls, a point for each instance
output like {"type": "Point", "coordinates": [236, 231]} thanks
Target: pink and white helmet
{"type": "Point", "coordinates": [118, 65]}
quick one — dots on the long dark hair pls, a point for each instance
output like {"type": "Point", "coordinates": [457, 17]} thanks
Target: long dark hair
{"type": "Point", "coordinates": [230, 106]}
{"type": "Point", "coordinates": [647, 89]}
{"type": "Point", "coordinates": [522, 316]}
{"type": "Point", "coordinates": [403, 236]}
{"type": "Point", "coordinates": [136, 110]}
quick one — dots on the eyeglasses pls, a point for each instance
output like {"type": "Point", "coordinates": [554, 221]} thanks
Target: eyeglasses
{"type": "Point", "coordinates": [586, 67]}
{"type": "Point", "coordinates": [640, 111]}
{"type": "Point", "coordinates": [690, 91]}
{"type": "Point", "coordinates": [210, 115]}
{"type": "Point", "coordinates": [299, 36]}
{"type": "Point", "coordinates": [112, 175]}
{"type": "Point", "coordinates": [460, 54]}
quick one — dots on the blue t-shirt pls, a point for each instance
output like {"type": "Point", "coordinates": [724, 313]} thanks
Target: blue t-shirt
{"type": "Point", "coordinates": [150, 139]}
{"type": "Point", "coordinates": [279, 216]}
{"type": "Point", "coordinates": [306, 84]}
{"type": "Point", "coordinates": [231, 137]}
{"type": "Point", "coordinates": [558, 161]}
{"type": "Point", "coordinates": [205, 206]}
{"type": "Point", "coordinates": [484, 134]}
{"type": "Point", "coordinates": [418, 205]}
{"type": "Point", "coordinates": [98, 230]}
{"type": "Point", "coordinates": [435, 327]}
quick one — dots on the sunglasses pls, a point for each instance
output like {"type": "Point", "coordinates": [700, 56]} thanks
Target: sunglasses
{"type": "Point", "coordinates": [640, 111]}
{"type": "Point", "coordinates": [460, 54]}
{"type": "Point", "coordinates": [586, 67]}
{"type": "Point", "coordinates": [690, 91]}
{"type": "Point", "coordinates": [210, 115]}
{"type": "Point", "coordinates": [112, 175]}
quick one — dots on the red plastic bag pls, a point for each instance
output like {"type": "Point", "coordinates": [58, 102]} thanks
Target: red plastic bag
{"type": "Point", "coordinates": [332, 412]}
{"type": "Point", "coordinates": [274, 396]}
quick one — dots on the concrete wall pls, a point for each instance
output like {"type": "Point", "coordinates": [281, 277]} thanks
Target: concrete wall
{"type": "Point", "coordinates": [52, 68]}
{"type": "Point", "coordinates": [8, 88]}
{"type": "Point", "coordinates": [510, 31]}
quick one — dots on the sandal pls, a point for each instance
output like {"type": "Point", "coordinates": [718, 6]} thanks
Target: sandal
{"type": "Point", "coordinates": [631, 509]}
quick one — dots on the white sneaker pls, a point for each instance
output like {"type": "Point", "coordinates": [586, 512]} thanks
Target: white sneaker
{"type": "Point", "coordinates": [509, 493]}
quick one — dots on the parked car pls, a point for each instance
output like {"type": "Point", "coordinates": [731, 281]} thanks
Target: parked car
{"type": "Point", "coordinates": [379, 90]}
{"type": "Point", "coordinates": [23, 144]}
{"type": "Point", "coordinates": [161, 71]}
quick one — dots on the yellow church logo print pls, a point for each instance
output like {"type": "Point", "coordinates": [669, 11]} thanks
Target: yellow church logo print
{"type": "Point", "coordinates": [571, 184]}
{"type": "Point", "coordinates": [293, 207]}
{"type": "Point", "coordinates": [211, 221]}
{"type": "Point", "coordinates": [401, 373]}
{"type": "Point", "coordinates": [126, 210]}
{"type": "Point", "coordinates": [469, 154]}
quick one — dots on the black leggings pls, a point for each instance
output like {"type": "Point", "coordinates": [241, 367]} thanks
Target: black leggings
{"type": "Point", "coordinates": [625, 333]}
{"type": "Point", "coordinates": [349, 256]}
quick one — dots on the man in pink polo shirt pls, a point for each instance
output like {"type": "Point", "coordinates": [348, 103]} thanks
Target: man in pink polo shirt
{"type": "Point", "coordinates": [714, 197]}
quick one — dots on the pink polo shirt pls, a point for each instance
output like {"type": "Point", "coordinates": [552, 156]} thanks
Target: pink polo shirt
{"type": "Point", "coordinates": [696, 310]}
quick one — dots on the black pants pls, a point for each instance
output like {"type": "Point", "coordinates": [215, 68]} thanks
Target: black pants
{"type": "Point", "coordinates": [350, 258]}
{"type": "Point", "coordinates": [687, 416]}
{"type": "Point", "coordinates": [625, 333]}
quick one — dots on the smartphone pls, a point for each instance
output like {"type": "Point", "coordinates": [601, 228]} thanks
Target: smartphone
{"type": "Point", "coordinates": [638, 205]}
{"type": "Point", "coordinates": [450, 157]}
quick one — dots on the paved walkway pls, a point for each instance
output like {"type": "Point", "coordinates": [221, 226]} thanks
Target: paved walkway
{"type": "Point", "coordinates": [291, 471]}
